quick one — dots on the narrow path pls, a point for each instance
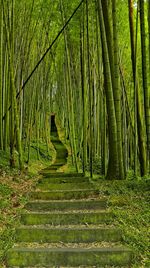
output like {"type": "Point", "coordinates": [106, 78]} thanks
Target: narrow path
{"type": "Point", "coordinates": [67, 224]}
{"type": "Point", "coordinates": [61, 151]}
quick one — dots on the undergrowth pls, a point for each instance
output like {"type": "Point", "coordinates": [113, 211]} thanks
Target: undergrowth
{"type": "Point", "coordinates": [14, 189]}
{"type": "Point", "coordinates": [129, 201]}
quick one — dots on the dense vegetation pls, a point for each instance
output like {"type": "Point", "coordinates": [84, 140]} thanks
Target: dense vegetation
{"type": "Point", "coordinates": [94, 75]}
{"type": "Point", "coordinates": [88, 62]}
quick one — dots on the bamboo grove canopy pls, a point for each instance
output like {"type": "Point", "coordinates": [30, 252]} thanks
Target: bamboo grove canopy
{"type": "Point", "coordinates": [89, 62]}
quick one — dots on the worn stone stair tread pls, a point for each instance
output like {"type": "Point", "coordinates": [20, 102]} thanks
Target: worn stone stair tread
{"type": "Point", "coordinates": [58, 164]}
{"type": "Point", "coordinates": [60, 245]}
{"type": "Point", "coordinates": [68, 212]}
{"type": "Point", "coordinates": [63, 182]}
{"type": "Point", "coordinates": [76, 234]}
{"type": "Point", "coordinates": [68, 191]}
{"type": "Point", "coordinates": [72, 227]}
{"type": "Point", "coordinates": [66, 218]}
{"type": "Point", "coordinates": [59, 161]}
{"type": "Point", "coordinates": [84, 226]}
{"type": "Point", "coordinates": [64, 194]}
{"type": "Point", "coordinates": [62, 174]}
{"type": "Point", "coordinates": [80, 266]}
{"type": "Point", "coordinates": [66, 205]}
{"type": "Point", "coordinates": [62, 179]}
{"type": "Point", "coordinates": [25, 257]}
{"type": "Point", "coordinates": [87, 201]}
{"type": "Point", "coordinates": [65, 186]}
{"type": "Point", "coordinates": [110, 249]}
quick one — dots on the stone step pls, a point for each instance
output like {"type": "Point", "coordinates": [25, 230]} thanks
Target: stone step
{"type": "Point", "coordinates": [57, 164]}
{"type": "Point", "coordinates": [68, 257]}
{"type": "Point", "coordinates": [66, 218]}
{"type": "Point", "coordinates": [46, 234]}
{"type": "Point", "coordinates": [64, 195]}
{"type": "Point", "coordinates": [64, 179]}
{"type": "Point", "coordinates": [53, 168]}
{"type": "Point", "coordinates": [64, 186]}
{"type": "Point", "coordinates": [65, 205]}
{"type": "Point", "coordinates": [62, 175]}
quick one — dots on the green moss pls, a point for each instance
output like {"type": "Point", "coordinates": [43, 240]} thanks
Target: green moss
{"type": "Point", "coordinates": [65, 186]}
{"type": "Point", "coordinates": [66, 218]}
{"type": "Point", "coordinates": [67, 205]}
{"type": "Point", "coordinates": [72, 257]}
{"type": "Point", "coordinates": [64, 195]}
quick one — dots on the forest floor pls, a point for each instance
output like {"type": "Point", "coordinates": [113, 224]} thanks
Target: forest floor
{"type": "Point", "coordinates": [129, 200]}
{"type": "Point", "coordinates": [14, 189]}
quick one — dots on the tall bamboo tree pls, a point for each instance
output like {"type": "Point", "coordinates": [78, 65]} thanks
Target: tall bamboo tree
{"type": "Point", "coordinates": [84, 90]}
{"type": "Point", "coordinates": [10, 46]}
{"type": "Point", "coordinates": [138, 109]}
{"type": "Point", "coordinates": [117, 92]}
{"type": "Point", "coordinates": [1, 76]}
{"type": "Point", "coordinates": [112, 171]}
{"type": "Point", "coordinates": [144, 74]}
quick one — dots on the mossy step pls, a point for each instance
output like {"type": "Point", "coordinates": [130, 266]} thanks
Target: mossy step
{"type": "Point", "coordinates": [99, 257]}
{"type": "Point", "coordinates": [57, 164]}
{"type": "Point", "coordinates": [102, 244]}
{"type": "Point", "coordinates": [66, 218]}
{"type": "Point", "coordinates": [43, 205]}
{"type": "Point", "coordinates": [64, 179]}
{"type": "Point", "coordinates": [73, 235]}
{"type": "Point", "coordinates": [62, 174]}
{"type": "Point", "coordinates": [53, 168]}
{"type": "Point", "coordinates": [64, 186]}
{"type": "Point", "coordinates": [60, 162]}
{"type": "Point", "coordinates": [64, 194]}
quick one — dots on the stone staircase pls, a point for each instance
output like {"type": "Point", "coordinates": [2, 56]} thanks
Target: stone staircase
{"type": "Point", "coordinates": [67, 224]}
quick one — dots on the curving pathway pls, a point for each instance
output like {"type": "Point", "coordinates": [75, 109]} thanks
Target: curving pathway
{"type": "Point", "coordinates": [67, 223]}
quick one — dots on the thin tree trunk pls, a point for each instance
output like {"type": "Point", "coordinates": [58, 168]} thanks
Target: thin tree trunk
{"type": "Point", "coordinates": [84, 96]}
{"type": "Point", "coordinates": [10, 45]}
{"type": "Point", "coordinates": [103, 134]}
{"type": "Point", "coordinates": [71, 106]}
{"type": "Point", "coordinates": [1, 78]}
{"type": "Point", "coordinates": [149, 32]}
{"type": "Point", "coordinates": [90, 92]}
{"type": "Point", "coordinates": [112, 172]}
{"type": "Point", "coordinates": [144, 75]}
{"type": "Point", "coordinates": [6, 94]}
{"type": "Point", "coordinates": [138, 111]}
{"type": "Point", "coordinates": [117, 92]}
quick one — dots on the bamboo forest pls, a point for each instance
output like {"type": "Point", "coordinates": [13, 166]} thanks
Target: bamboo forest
{"type": "Point", "coordinates": [74, 133]}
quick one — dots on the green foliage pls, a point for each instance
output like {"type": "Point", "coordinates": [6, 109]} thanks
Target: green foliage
{"type": "Point", "coordinates": [14, 187]}
{"type": "Point", "coordinates": [5, 191]}
{"type": "Point", "coordinates": [11, 202]}
{"type": "Point", "coordinates": [129, 201]}
{"type": "Point", "coordinates": [97, 165]}
{"type": "Point", "coordinates": [4, 158]}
